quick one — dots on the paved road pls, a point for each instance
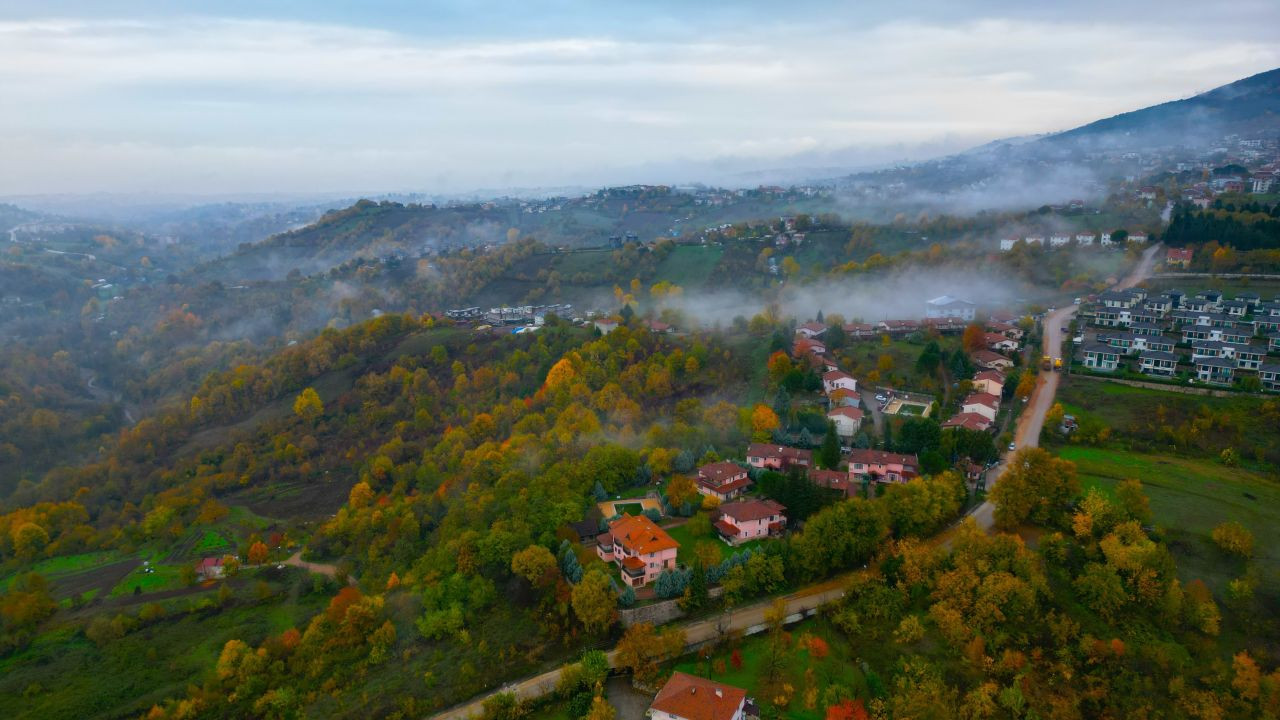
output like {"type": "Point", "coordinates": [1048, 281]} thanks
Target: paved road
{"type": "Point", "coordinates": [744, 618]}
{"type": "Point", "coordinates": [1032, 419]}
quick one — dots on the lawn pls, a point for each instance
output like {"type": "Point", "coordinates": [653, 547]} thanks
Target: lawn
{"type": "Point", "coordinates": [631, 508]}
{"type": "Point", "coordinates": [1189, 497]}
{"type": "Point", "coordinates": [681, 534]}
{"type": "Point", "coordinates": [212, 542]}
{"type": "Point", "coordinates": [65, 564]}
{"type": "Point", "coordinates": [162, 577]}
{"type": "Point", "coordinates": [840, 666]}
{"type": "Point", "coordinates": [689, 265]}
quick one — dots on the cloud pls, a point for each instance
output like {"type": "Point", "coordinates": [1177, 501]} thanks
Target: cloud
{"type": "Point", "coordinates": [234, 104]}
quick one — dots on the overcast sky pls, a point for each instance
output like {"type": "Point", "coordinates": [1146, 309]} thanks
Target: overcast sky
{"type": "Point", "coordinates": [380, 96]}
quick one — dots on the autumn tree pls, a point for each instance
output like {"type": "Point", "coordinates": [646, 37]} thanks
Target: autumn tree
{"type": "Point", "coordinates": [600, 709]}
{"type": "Point", "coordinates": [681, 490]}
{"type": "Point", "coordinates": [974, 338]}
{"type": "Point", "coordinates": [308, 405]}
{"type": "Point", "coordinates": [1026, 385]}
{"type": "Point", "coordinates": [641, 650]}
{"type": "Point", "coordinates": [1133, 500]}
{"type": "Point", "coordinates": [1036, 487]}
{"type": "Point", "coordinates": [1234, 539]}
{"type": "Point", "coordinates": [764, 421]}
{"type": "Point", "coordinates": [257, 553]}
{"type": "Point", "coordinates": [535, 564]}
{"type": "Point", "coordinates": [594, 602]}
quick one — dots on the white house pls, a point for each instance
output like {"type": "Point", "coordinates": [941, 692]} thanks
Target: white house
{"type": "Point", "coordinates": [1084, 239]}
{"type": "Point", "coordinates": [984, 404]}
{"type": "Point", "coordinates": [1059, 240]}
{"type": "Point", "coordinates": [848, 421]}
{"type": "Point", "coordinates": [945, 306]}
{"type": "Point", "coordinates": [838, 379]}
{"type": "Point", "coordinates": [688, 697]}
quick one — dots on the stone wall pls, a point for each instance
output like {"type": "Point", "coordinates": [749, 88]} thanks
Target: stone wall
{"type": "Point", "coordinates": [659, 612]}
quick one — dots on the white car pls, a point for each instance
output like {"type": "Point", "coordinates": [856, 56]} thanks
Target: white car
{"type": "Point", "coordinates": [881, 398]}
{"type": "Point", "coordinates": [1012, 447]}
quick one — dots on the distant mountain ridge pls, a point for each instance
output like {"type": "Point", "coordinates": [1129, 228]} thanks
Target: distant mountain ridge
{"type": "Point", "coordinates": [1244, 106]}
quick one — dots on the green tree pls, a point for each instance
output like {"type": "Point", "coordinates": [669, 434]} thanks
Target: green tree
{"type": "Point", "coordinates": [1036, 486]}
{"type": "Point", "coordinates": [829, 453]}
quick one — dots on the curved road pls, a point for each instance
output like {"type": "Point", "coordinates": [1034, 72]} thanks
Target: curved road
{"type": "Point", "coordinates": [1032, 419]}
{"type": "Point", "coordinates": [1028, 435]}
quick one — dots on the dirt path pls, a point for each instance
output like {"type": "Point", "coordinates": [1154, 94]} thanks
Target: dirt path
{"type": "Point", "coordinates": [321, 568]}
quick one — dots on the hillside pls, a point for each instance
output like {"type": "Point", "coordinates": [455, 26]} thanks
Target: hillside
{"type": "Point", "coordinates": [1244, 107]}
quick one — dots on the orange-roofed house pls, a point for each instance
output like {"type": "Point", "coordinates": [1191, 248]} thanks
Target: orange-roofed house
{"type": "Point", "coordinates": [688, 697]}
{"type": "Point", "coordinates": [640, 548]}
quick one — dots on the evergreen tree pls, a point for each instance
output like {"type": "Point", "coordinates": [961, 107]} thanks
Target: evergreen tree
{"type": "Point", "coordinates": [627, 597]}
{"type": "Point", "coordinates": [829, 453]}
{"type": "Point", "coordinates": [695, 593]}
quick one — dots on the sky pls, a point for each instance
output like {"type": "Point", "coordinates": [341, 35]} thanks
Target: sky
{"type": "Point", "coordinates": [236, 97]}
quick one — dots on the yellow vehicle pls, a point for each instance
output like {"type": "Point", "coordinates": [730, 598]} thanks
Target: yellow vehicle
{"type": "Point", "coordinates": [1046, 363]}
{"type": "Point", "coordinates": [1057, 363]}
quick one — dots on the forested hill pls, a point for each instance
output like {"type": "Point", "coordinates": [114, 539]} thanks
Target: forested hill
{"type": "Point", "coordinates": [1242, 107]}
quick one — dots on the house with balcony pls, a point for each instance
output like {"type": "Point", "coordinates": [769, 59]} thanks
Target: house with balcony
{"type": "Point", "coordinates": [882, 466]}
{"type": "Point", "coordinates": [722, 480]}
{"type": "Point", "coordinates": [1101, 357]}
{"type": "Point", "coordinates": [746, 520]}
{"type": "Point", "coordinates": [1215, 370]}
{"type": "Point", "coordinates": [777, 457]}
{"type": "Point", "coordinates": [1155, 362]}
{"type": "Point", "coordinates": [640, 548]}
{"type": "Point", "coordinates": [1269, 374]}
{"type": "Point", "coordinates": [838, 380]}
{"type": "Point", "coordinates": [1248, 357]}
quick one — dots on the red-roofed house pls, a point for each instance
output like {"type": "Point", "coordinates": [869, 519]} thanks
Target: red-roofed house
{"type": "Point", "coordinates": [989, 381]}
{"type": "Point", "coordinates": [811, 329]}
{"type": "Point", "coordinates": [883, 466]}
{"type": "Point", "coordinates": [641, 548]}
{"type": "Point", "coordinates": [806, 346]}
{"type": "Point", "coordinates": [1178, 256]}
{"type": "Point", "coordinates": [991, 360]}
{"type": "Point", "coordinates": [209, 568]}
{"type": "Point", "coordinates": [778, 457]}
{"type": "Point", "coordinates": [997, 341]}
{"type": "Point", "coordinates": [722, 480]}
{"type": "Point", "coordinates": [659, 327]}
{"type": "Point", "coordinates": [980, 403]}
{"type": "Point", "coordinates": [848, 421]}
{"type": "Point", "coordinates": [968, 421]}
{"type": "Point", "coordinates": [747, 520]}
{"type": "Point", "coordinates": [688, 697]}
{"type": "Point", "coordinates": [834, 479]}
{"type": "Point", "coordinates": [838, 379]}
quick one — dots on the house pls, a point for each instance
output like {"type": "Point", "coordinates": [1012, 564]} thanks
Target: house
{"type": "Point", "coordinates": [968, 421]}
{"type": "Point", "coordinates": [848, 421]}
{"type": "Point", "coordinates": [1248, 357]}
{"type": "Point", "coordinates": [1270, 376]}
{"type": "Point", "coordinates": [838, 379]}
{"type": "Point", "coordinates": [984, 404]}
{"type": "Point", "coordinates": [1273, 342]}
{"type": "Point", "coordinates": [1178, 257]}
{"type": "Point", "coordinates": [1084, 239]}
{"type": "Point", "coordinates": [1007, 244]}
{"type": "Point", "coordinates": [989, 381]}
{"type": "Point", "coordinates": [883, 466]}
{"type": "Point", "coordinates": [640, 548]}
{"type": "Point", "coordinates": [834, 479]}
{"type": "Point", "coordinates": [807, 346]}
{"type": "Point", "coordinates": [1155, 362]}
{"type": "Point", "coordinates": [209, 568]}
{"type": "Point", "coordinates": [842, 398]}
{"type": "Point", "coordinates": [811, 329]}
{"type": "Point", "coordinates": [1006, 329]}
{"type": "Point", "coordinates": [1216, 370]}
{"type": "Point", "coordinates": [688, 697]}
{"type": "Point", "coordinates": [1235, 308]}
{"type": "Point", "coordinates": [1101, 357]}
{"type": "Point", "coordinates": [659, 326]}
{"type": "Point", "coordinates": [746, 520]}
{"type": "Point", "coordinates": [778, 457]}
{"type": "Point", "coordinates": [1059, 240]}
{"type": "Point", "coordinates": [859, 331]}
{"type": "Point", "coordinates": [722, 480]}
{"type": "Point", "coordinates": [999, 342]}
{"type": "Point", "coordinates": [991, 360]}
{"type": "Point", "coordinates": [1139, 238]}
{"type": "Point", "coordinates": [947, 306]}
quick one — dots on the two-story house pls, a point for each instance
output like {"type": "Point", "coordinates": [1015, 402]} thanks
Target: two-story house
{"type": "Point", "coordinates": [848, 421]}
{"type": "Point", "coordinates": [838, 380]}
{"type": "Point", "coordinates": [882, 466]}
{"type": "Point", "coordinates": [1101, 357]}
{"type": "Point", "coordinates": [722, 480]}
{"type": "Point", "coordinates": [641, 549]}
{"type": "Point", "coordinates": [688, 697]}
{"type": "Point", "coordinates": [1155, 362]}
{"type": "Point", "coordinates": [746, 520]}
{"type": "Point", "coordinates": [777, 457]}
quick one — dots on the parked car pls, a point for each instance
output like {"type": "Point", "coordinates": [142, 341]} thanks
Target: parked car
{"type": "Point", "coordinates": [881, 398]}
{"type": "Point", "coordinates": [1012, 447]}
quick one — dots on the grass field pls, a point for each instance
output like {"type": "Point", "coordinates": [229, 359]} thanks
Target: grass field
{"type": "Point", "coordinates": [62, 565]}
{"type": "Point", "coordinates": [631, 508]}
{"type": "Point", "coordinates": [688, 542]}
{"type": "Point", "coordinates": [1189, 497]}
{"type": "Point", "coordinates": [689, 266]}
{"type": "Point", "coordinates": [162, 577]}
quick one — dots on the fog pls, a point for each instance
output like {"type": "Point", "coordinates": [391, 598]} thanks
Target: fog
{"type": "Point", "coordinates": [898, 294]}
